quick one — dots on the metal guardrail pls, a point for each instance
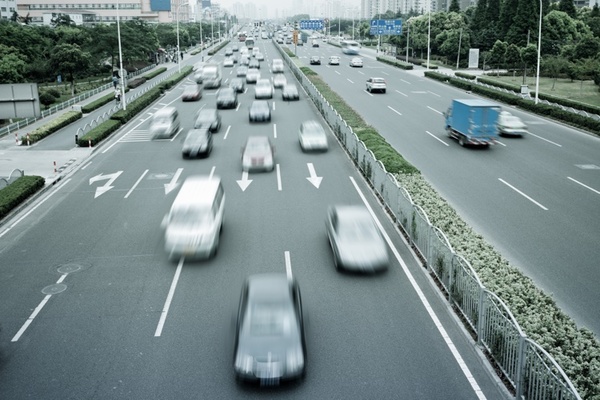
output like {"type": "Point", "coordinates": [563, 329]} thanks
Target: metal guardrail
{"type": "Point", "coordinates": [13, 176]}
{"type": "Point", "coordinates": [530, 371]}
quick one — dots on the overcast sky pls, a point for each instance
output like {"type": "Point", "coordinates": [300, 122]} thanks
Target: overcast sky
{"type": "Point", "coordinates": [291, 7]}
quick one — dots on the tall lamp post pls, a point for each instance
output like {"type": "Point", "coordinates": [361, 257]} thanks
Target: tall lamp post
{"type": "Point", "coordinates": [179, 51]}
{"type": "Point", "coordinates": [539, 56]}
{"type": "Point", "coordinates": [429, 36]}
{"type": "Point", "coordinates": [121, 74]}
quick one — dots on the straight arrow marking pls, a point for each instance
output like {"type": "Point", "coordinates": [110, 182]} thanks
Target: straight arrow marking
{"type": "Point", "coordinates": [313, 178]}
{"type": "Point", "coordinates": [173, 184]}
{"type": "Point", "coordinates": [244, 182]}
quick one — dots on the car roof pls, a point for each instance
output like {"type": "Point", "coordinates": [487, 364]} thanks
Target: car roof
{"type": "Point", "coordinates": [352, 212]}
{"type": "Point", "coordinates": [268, 287]}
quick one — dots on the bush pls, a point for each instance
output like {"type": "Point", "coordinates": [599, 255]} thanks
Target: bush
{"type": "Point", "coordinates": [54, 92]}
{"type": "Point", "coordinates": [51, 127]}
{"type": "Point", "coordinates": [465, 75]}
{"type": "Point", "coordinates": [46, 99]}
{"type": "Point", "coordinates": [17, 192]}
{"type": "Point", "coordinates": [395, 63]}
{"type": "Point", "coordinates": [155, 73]}
{"type": "Point", "coordinates": [133, 83]}
{"type": "Point", "coordinates": [214, 50]}
{"type": "Point", "coordinates": [99, 133]}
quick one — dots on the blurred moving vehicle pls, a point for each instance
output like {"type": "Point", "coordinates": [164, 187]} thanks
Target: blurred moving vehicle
{"type": "Point", "coordinates": [511, 125]}
{"type": "Point", "coordinates": [263, 89]}
{"type": "Point", "coordinates": [198, 142]}
{"type": "Point", "coordinates": [252, 76]}
{"type": "Point", "coordinates": [211, 75]}
{"type": "Point", "coordinates": [356, 62]}
{"type": "Point", "coordinates": [241, 71]}
{"type": "Point", "coordinates": [191, 93]}
{"type": "Point", "coordinates": [228, 51]}
{"type": "Point", "coordinates": [195, 220]}
{"type": "Point", "coordinates": [244, 60]}
{"type": "Point", "coordinates": [260, 110]}
{"type": "Point", "coordinates": [227, 98]}
{"type": "Point", "coordinates": [238, 84]}
{"type": "Point", "coordinates": [376, 84]}
{"type": "Point", "coordinates": [165, 123]}
{"type": "Point", "coordinates": [260, 57]}
{"type": "Point", "coordinates": [315, 43]}
{"type": "Point", "coordinates": [279, 80]}
{"type": "Point", "coordinates": [208, 118]}
{"type": "Point", "coordinates": [334, 60]}
{"type": "Point", "coordinates": [254, 64]}
{"type": "Point", "coordinates": [277, 65]}
{"type": "Point", "coordinates": [355, 240]}
{"type": "Point", "coordinates": [290, 92]}
{"type": "Point", "coordinates": [315, 60]}
{"type": "Point", "coordinates": [312, 136]}
{"type": "Point", "coordinates": [270, 344]}
{"type": "Point", "coordinates": [228, 62]}
{"type": "Point", "coordinates": [349, 46]}
{"type": "Point", "coordinates": [258, 154]}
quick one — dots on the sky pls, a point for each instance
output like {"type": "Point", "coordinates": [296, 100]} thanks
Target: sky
{"type": "Point", "coordinates": [291, 7]}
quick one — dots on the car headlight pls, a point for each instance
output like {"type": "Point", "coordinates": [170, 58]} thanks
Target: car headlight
{"type": "Point", "coordinates": [244, 363]}
{"type": "Point", "coordinates": [294, 360]}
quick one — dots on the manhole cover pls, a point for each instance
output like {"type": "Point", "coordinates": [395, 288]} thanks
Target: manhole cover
{"type": "Point", "coordinates": [54, 289]}
{"type": "Point", "coordinates": [160, 176]}
{"type": "Point", "coordinates": [68, 268]}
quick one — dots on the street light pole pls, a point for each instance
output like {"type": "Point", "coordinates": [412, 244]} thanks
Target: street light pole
{"type": "Point", "coordinates": [539, 55]}
{"type": "Point", "coordinates": [121, 74]}
{"type": "Point", "coordinates": [178, 55]}
{"type": "Point", "coordinates": [429, 36]}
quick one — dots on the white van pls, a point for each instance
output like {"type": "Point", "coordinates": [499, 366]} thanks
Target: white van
{"type": "Point", "coordinates": [194, 223]}
{"type": "Point", "coordinates": [211, 76]}
{"type": "Point", "coordinates": [165, 123]}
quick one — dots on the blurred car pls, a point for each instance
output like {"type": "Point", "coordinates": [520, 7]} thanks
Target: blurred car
{"type": "Point", "coordinates": [235, 47]}
{"type": "Point", "coordinates": [255, 51]}
{"type": "Point", "coordinates": [244, 60]}
{"type": "Point", "coordinates": [228, 62]}
{"type": "Point", "coordinates": [279, 81]}
{"type": "Point", "coordinates": [263, 89]}
{"type": "Point", "coordinates": [315, 43]}
{"type": "Point", "coordinates": [191, 93]}
{"type": "Point", "coordinates": [376, 84]}
{"type": "Point", "coordinates": [165, 123]}
{"type": "Point", "coordinates": [334, 60]}
{"type": "Point", "coordinates": [238, 84]}
{"type": "Point", "coordinates": [355, 240]}
{"type": "Point", "coordinates": [510, 125]}
{"type": "Point", "coordinates": [356, 62]}
{"type": "Point", "coordinates": [277, 65]}
{"type": "Point", "coordinates": [228, 51]}
{"type": "Point", "coordinates": [260, 110]}
{"type": "Point", "coordinates": [280, 40]}
{"type": "Point", "coordinates": [260, 57]}
{"type": "Point", "coordinates": [257, 154]}
{"type": "Point", "coordinates": [315, 60]}
{"type": "Point", "coordinates": [252, 76]}
{"type": "Point", "coordinates": [270, 344]}
{"type": "Point", "coordinates": [227, 98]}
{"type": "Point", "coordinates": [312, 136]}
{"type": "Point", "coordinates": [254, 63]}
{"type": "Point", "coordinates": [198, 77]}
{"type": "Point", "coordinates": [208, 118]}
{"type": "Point", "coordinates": [290, 92]}
{"type": "Point", "coordinates": [241, 71]}
{"type": "Point", "coordinates": [198, 142]}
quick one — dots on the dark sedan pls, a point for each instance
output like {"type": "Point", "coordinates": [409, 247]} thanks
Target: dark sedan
{"type": "Point", "coordinates": [269, 342]}
{"type": "Point", "coordinates": [290, 92]}
{"type": "Point", "coordinates": [198, 142]}
{"type": "Point", "coordinates": [208, 118]}
{"type": "Point", "coordinates": [227, 98]}
{"type": "Point", "coordinates": [315, 60]}
{"type": "Point", "coordinates": [260, 110]}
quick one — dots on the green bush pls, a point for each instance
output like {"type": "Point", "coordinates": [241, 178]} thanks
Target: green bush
{"type": "Point", "coordinates": [51, 127]}
{"type": "Point", "coordinates": [155, 73]}
{"type": "Point", "coordinates": [99, 133]}
{"type": "Point", "coordinates": [307, 71]}
{"type": "Point", "coordinates": [214, 50]}
{"type": "Point", "coordinates": [54, 92]}
{"type": "Point", "coordinates": [46, 99]}
{"type": "Point", "coordinates": [133, 83]}
{"type": "Point", "coordinates": [136, 106]}
{"type": "Point", "coordinates": [465, 75]}
{"type": "Point", "coordinates": [395, 63]}
{"type": "Point", "coordinates": [17, 192]}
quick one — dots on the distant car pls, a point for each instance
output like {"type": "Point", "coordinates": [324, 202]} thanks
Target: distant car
{"type": "Point", "coordinates": [208, 118]}
{"type": "Point", "coordinates": [270, 344]}
{"type": "Point", "coordinates": [227, 98]}
{"type": "Point", "coordinates": [228, 51]}
{"type": "Point", "coordinates": [228, 62]}
{"type": "Point", "coordinates": [238, 84]}
{"type": "Point", "coordinates": [355, 240]}
{"type": "Point", "coordinates": [374, 84]}
{"type": "Point", "coordinates": [165, 123]}
{"type": "Point", "coordinates": [260, 57]}
{"type": "Point", "coordinates": [198, 77]}
{"type": "Point", "coordinates": [312, 136]}
{"type": "Point", "coordinates": [277, 65]}
{"type": "Point", "coordinates": [511, 125]}
{"type": "Point", "coordinates": [241, 71]}
{"type": "Point", "coordinates": [260, 110]}
{"type": "Point", "coordinates": [279, 80]}
{"type": "Point", "coordinates": [263, 89]}
{"type": "Point", "coordinates": [257, 154]}
{"type": "Point", "coordinates": [254, 63]}
{"type": "Point", "coordinates": [253, 75]}
{"type": "Point", "coordinates": [315, 60]}
{"type": "Point", "coordinates": [255, 51]}
{"type": "Point", "coordinates": [191, 93]}
{"type": "Point", "coordinates": [235, 47]}
{"type": "Point", "coordinates": [299, 42]}
{"type": "Point", "coordinates": [356, 62]}
{"type": "Point", "coordinates": [244, 60]}
{"type": "Point", "coordinates": [334, 60]}
{"type": "Point", "coordinates": [315, 43]}
{"type": "Point", "coordinates": [198, 142]}
{"type": "Point", "coordinates": [290, 92]}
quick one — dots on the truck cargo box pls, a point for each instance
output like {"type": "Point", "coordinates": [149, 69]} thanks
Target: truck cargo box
{"type": "Point", "coordinates": [473, 121]}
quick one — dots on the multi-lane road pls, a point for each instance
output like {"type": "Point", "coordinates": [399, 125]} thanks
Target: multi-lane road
{"type": "Point", "coordinates": [91, 308]}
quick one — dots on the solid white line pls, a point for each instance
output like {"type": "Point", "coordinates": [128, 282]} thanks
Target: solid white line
{"type": "Point", "coordinates": [367, 92]}
{"type": "Point", "coordinates": [584, 185]}
{"type": "Point", "coordinates": [435, 94]}
{"type": "Point", "coordinates": [212, 172]}
{"type": "Point", "coordinates": [438, 324]}
{"type": "Point", "coordinates": [436, 138]}
{"type": "Point", "coordinates": [523, 194]}
{"type": "Point", "coordinates": [288, 264]}
{"type": "Point", "coordinates": [278, 178]}
{"type": "Point", "coordinates": [397, 112]}
{"type": "Point", "coordinates": [86, 165]}
{"type": "Point", "coordinates": [433, 109]}
{"type": "Point", "coordinates": [165, 311]}
{"type": "Point", "coordinates": [337, 72]}
{"type": "Point", "coordinates": [227, 131]}
{"type": "Point", "coordinates": [275, 131]}
{"type": "Point", "coordinates": [31, 317]}
{"type": "Point", "coordinates": [406, 81]}
{"type": "Point", "coordinates": [349, 80]}
{"type": "Point", "coordinates": [549, 141]}
{"type": "Point", "coordinates": [405, 95]}
{"type": "Point", "coordinates": [33, 209]}
{"type": "Point", "coordinates": [136, 183]}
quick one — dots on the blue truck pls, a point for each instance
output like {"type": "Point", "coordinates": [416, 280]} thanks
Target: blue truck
{"type": "Point", "coordinates": [473, 121]}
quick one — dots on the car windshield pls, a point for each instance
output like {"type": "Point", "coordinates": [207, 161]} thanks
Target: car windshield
{"type": "Point", "coordinates": [190, 217]}
{"type": "Point", "coordinates": [357, 229]}
{"type": "Point", "coordinates": [378, 80]}
{"type": "Point", "coordinates": [269, 319]}
{"type": "Point", "coordinates": [257, 145]}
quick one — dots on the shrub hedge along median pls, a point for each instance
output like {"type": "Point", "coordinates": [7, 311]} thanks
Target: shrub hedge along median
{"type": "Point", "coordinates": [17, 192]}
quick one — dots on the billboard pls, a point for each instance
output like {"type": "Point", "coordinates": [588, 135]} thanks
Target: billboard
{"type": "Point", "coordinates": [19, 100]}
{"type": "Point", "coordinates": [473, 58]}
{"type": "Point", "coordinates": [160, 5]}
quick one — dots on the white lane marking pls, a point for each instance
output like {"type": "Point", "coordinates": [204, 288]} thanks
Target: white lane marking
{"type": "Point", "coordinates": [437, 138]}
{"type": "Point", "coordinates": [433, 109]}
{"type": "Point", "coordinates": [549, 141]}
{"type": "Point", "coordinates": [288, 264]}
{"type": "Point", "coordinates": [86, 165]}
{"type": "Point", "coordinates": [349, 80]}
{"type": "Point", "coordinates": [337, 72]}
{"type": "Point", "coordinates": [396, 111]}
{"type": "Point", "coordinates": [136, 183]}
{"type": "Point", "coordinates": [407, 82]}
{"type": "Point", "coordinates": [238, 106]}
{"type": "Point", "coordinates": [35, 313]}
{"type": "Point", "coordinates": [227, 132]}
{"type": "Point", "coordinates": [584, 185]}
{"type": "Point", "coordinates": [405, 95]}
{"type": "Point", "coordinates": [435, 94]}
{"type": "Point", "coordinates": [438, 324]}
{"type": "Point", "coordinates": [273, 106]}
{"type": "Point", "coordinates": [369, 93]}
{"type": "Point", "coordinates": [383, 72]}
{"type": "Point", "coordinates": [212, 172]}
{"type": "Point", "coordinates": [360, 72]}
{"type": "Point", "coordinates": [278, 177]}
{"type": "Point", "coordinates": [33, 209]}
{"type": "Point", "coordinates": [523, 194]}
{"type": "Point", "coordinates": [165, 311]}
{"type": "Point", "coordinates": [499, 142]}
{"type": "Point", "coordinates": [275, 131]}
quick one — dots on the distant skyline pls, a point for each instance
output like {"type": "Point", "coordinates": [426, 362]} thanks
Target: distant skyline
{"type": "Point", "coordinates": [278, 8]}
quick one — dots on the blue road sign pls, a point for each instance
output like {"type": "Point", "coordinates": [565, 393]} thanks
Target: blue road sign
{"type": "Point", "coordinates": [313, 24]}
{"type": "Point", "coordinates": [386, 27]}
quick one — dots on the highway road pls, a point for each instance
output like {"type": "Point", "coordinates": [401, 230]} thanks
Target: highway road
{"type": "Point", "coordinates": [535, 199]}
{"type": "Point", "coordinates": [91, 308]}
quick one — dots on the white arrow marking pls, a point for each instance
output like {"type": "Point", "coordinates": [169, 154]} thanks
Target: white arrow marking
{"type": "Point", "coordinates": [110, 179]}
{"type": "Point", "coordinates": [173, 184]}
{"type": "Point", "coordinates": [244, 182]}
{"type": "Point", "coordinates": [313, 178]}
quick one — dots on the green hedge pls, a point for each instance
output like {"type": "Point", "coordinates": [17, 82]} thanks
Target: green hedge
{"type": "Point", "coordinates": [17, 192]}
{"type": "Point", "coordinates": [155, 73]}
{"type": "Point", "coordinates": [49, 128]}
{"type": "Point", "coordinates": [214, 50]}
{"type": "Point", "coordinates": [133, 83]}
{"type": "Point", "coordinates": [395, 63]}
{"type": "Point", "coordinates": [99, 133]}
{"type": "Point", "coordinates": [94, 105]}
{"type": "Point", "coordinates": [465, 75]}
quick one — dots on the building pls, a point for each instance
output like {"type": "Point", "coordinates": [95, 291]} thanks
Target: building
{"type": "Point", "coordinates": [7, 8]}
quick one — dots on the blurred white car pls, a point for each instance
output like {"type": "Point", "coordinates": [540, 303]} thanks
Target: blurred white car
{"type": "Point", "coordinates": [252, 76]}
{"type": "Point", "coordinates": [263, 89]}
{"type": "Point", "coordinates": [334, 60]}
{"type": "Point", "coordinates": [511, 125]}
{"type": "Point", "coordinates": [356, 62]}
{"type": "Point", "coordinates": [279, 80]}
{"type": "Point", "coordinates": [312, 136]}
{"type": "Point", "coordinates": [376, 84]}
{"type": "Point", "coordinates": [228, 62]}
{"type": "Point", "coordinates": [257, 154]}
{"type": "Point", "coordinates": [260, 57]}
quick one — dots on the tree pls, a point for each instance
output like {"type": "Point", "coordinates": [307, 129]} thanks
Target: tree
{"type": "Point", "coordinates": [499, 54]}
{"type": "Point", "coordinates": [567, 7]}
{"type": "Point", "coordinates": [588, 47]}
{"type": "Point", "coordinates": [454, 6]}
{"type": "Point", "coordinates": [62, 20]}
{"type": "Point", "coordinates": [529, 57]}
{"type": "Point", "coordinates": [554, 66]}
{"type": "Point", "coordinates": [68, 59]}
{"type": "Point", "coordinates": [513, 56]}
{"type": "Point", "coordinates": [526, 19]}
{"type": "Point", "coordinates": [508, 10]}
{"type": "Point", "coordinates": [11, 65]}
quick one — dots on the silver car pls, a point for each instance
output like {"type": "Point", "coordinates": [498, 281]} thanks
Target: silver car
{"type": "Point", "coordinates": [263, 89]}
{"type": "Point", "coordinates": [252, 76]}
{"type": "Point", "coordinates": [355, 240]}
{"type": "Point", "coordinates": [279, 80]}
{"type": "Point", "coordinates": [312, 136]}
{"type": "Point", "coordinates": [257, 154]}
{"type": "Point", "coordinates": [511, 125]}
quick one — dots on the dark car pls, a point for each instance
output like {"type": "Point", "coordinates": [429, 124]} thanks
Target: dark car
{"type": "Point", "coordinates": [198, 142]}
{"type": "Point", "coordinates": [208, 118]}
{"type": "Point", "coordinates": [191, 93]}
{"type": "Point", "coordinates": [290, 92]}
{"type": "Point", "coordinates": [269, 341]}
{"type": "Point", "coordinates": [260, 110]}
{"type": "Point", "coordinates": [227, 98]}
{"type": "Point", "coordinates": [315, 60]}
